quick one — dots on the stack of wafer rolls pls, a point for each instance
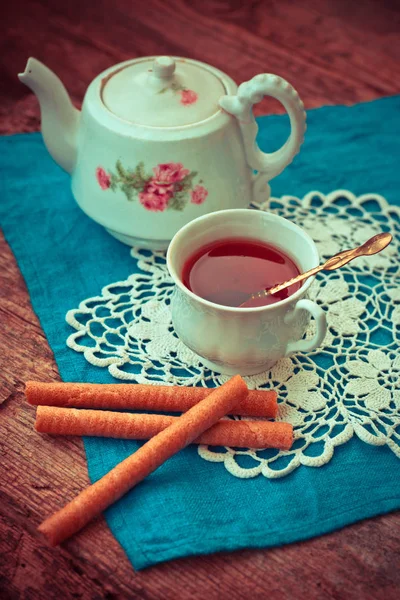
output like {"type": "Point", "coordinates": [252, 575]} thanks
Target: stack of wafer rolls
{"type": "Point", "coordinates": [57, 413]}
{"type": "Point", "coordinates": [79, 409]}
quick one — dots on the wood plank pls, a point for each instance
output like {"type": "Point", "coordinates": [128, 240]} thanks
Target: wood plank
{"type": "Point", "coordinates": [333, 53]}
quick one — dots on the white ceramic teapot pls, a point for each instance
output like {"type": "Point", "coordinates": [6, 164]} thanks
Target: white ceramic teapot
{"type": "Point", "coordinates": [161, 141]}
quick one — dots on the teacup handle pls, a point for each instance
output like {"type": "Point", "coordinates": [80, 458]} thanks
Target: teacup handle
{"type": "Point", "coordinates": [241, 104]}
{"type": "Point", "coordinates": [320, 319]}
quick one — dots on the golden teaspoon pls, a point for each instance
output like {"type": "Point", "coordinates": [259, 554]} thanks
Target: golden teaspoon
{"type": "Point", "coordinates": [374, 245]}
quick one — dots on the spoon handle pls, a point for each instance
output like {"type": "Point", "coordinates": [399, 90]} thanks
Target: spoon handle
{"type": "Point", "coordinates": [335, 262]}
{"type": "Point", "coordinates": [372, 246]}
{"type": "Point", "coordinates": [282, 286]}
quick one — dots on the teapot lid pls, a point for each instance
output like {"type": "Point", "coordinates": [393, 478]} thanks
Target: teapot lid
{"type": "Point", "coordinates": [162, 92]}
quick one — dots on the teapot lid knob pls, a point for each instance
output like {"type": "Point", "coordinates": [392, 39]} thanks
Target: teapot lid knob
{"type": "Point", "coordinates": [164, 67]}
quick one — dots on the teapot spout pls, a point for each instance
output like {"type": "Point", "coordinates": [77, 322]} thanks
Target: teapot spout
{"type": "Point", "coordinates": [59, 117]}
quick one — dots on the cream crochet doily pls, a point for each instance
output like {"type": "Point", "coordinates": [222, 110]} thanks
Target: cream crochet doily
{"type": "Point", "coordinates": [351, 385]}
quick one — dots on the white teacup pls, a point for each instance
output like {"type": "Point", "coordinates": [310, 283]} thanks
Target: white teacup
{"type": "Point", "coordinates": [247, 341]}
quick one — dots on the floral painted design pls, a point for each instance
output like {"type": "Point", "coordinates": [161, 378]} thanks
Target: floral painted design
{"type": "Point", "coordinates": [187, 97]}
{"type": "Point", "coordinates": [170, 186]}
{"type": "Point", "coordinates": [103, 178]}
{"type": "Point", "coordinates": [198, 194]}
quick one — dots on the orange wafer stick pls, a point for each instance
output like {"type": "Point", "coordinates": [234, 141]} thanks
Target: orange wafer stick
{"type": "Point", "coordinates": [160, 398]}
{"type": "Point", "coordinates": [102, 423]}
{"type": "Point", "coordinates": [107, 490]}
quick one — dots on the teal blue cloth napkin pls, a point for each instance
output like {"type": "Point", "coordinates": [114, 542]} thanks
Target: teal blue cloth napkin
{"type": "Point", "coordinates": [189, 506]}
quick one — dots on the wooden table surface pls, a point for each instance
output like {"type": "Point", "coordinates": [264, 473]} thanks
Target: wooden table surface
{"type": "Point", "coordinates": [333, 51]}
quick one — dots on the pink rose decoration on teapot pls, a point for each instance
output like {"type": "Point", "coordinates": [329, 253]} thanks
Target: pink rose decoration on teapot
{"type": "Point", "coordinates": [155, 197]}
{"type": "Point", "coordinates": [188, 97]}
{"type": "Point", "coordinates": [169, 173]}
{"type": "Point", "coordinates": [169, 187]}
{"type": "Point", "coordinates": [198, 194]}
{"type": "Point", "coordinates": [103, 178]}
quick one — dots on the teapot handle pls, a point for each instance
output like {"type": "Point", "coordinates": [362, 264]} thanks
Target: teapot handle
{"type": "Point", "coordinates": [240, 106]}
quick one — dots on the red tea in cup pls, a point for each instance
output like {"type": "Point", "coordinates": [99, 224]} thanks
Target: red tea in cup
{"type": "Point", "coordinates": [228, 271]}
